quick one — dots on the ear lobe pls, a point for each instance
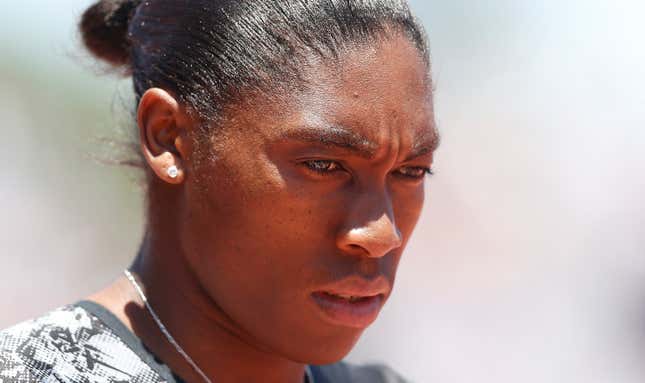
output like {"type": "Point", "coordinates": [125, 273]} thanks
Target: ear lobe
{"type": "Point", "coordinates": [158, 119]}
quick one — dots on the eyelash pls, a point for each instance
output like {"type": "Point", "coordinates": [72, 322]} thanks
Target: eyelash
{"type": "Point", "coordinates": [311, 165]}
{"type": "Point", "coordinates": [314, 166]}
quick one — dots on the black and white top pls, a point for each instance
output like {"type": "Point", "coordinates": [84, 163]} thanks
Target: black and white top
{"type": "Point", "coordinates": [84, 342]}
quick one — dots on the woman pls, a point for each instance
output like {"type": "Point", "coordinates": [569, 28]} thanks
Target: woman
{"type": "Point", "coordinates": [286, 145]}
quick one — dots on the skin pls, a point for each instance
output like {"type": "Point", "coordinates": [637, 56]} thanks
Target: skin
{"type": "Point", "coordinates": [236, 244]}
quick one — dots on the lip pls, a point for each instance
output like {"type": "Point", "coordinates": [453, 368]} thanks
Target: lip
{"type": "Point", "coordinates": [360, 312]}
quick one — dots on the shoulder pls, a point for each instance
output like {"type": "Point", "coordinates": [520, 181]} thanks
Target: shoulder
{"type": "Point", "coordinates": [30, 350]}
{"type": "Point", "coordinates": [344, 372]}
{"type": "Point", "coordinates": [67, 345]}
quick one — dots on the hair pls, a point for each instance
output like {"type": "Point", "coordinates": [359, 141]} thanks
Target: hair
{"type": "Point", "coordinates": [208, 53]}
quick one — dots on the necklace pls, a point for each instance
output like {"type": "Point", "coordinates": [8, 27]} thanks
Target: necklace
{"type": "Point", "coordinates": [166, 333]}
{"type": "Point", "coordinates": [163, 328]}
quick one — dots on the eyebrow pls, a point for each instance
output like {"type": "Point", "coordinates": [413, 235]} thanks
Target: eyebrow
{"type": "Point", "coordinates": [345, 139]}
{"type": "Point", "coordinates": [427, 144]}
{"type": "Point", "coordinates": [334, 137]}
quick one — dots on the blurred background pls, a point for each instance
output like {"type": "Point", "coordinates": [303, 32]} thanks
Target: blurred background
{"type": "Point", "coordinates": [528, 263]}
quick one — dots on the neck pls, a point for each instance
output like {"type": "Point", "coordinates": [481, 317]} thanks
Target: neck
{"type": "Point", "coordinates": [223, 351]}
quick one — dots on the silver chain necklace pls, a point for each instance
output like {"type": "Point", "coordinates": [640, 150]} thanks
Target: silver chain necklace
{"type": "Point", "coordinates": [172, 340]}
{"type": "Point", "coordinates": [163, 328]}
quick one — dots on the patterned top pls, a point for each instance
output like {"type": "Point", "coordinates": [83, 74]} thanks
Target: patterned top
{"type": "Point", "coordinates": [84, 342]}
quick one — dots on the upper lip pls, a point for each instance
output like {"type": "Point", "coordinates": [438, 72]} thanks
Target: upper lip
{"type": "Point", "coordinates": [358, 286]}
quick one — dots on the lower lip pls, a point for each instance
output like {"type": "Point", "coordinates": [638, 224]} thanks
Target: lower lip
{"type": "Point", "coordinates": [357, 314]}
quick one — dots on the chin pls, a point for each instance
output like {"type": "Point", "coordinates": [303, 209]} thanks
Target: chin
{"type": "Point", "coordinates": [329, 349]}
{"type": "Point", "coordinates": [332, 334]}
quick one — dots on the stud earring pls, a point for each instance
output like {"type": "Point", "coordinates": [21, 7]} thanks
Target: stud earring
{"type": "Point", "coordinates": [172, 171]}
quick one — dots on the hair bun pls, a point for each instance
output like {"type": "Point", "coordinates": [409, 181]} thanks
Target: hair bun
{"type": "Point", "coordinates": [104, 29]}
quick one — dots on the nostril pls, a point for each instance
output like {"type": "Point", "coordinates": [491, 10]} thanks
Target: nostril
{"type": "Point", "coordinates": [357, 249]}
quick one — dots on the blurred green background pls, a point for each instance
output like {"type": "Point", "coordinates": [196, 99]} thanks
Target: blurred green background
{"type": "Point", "coordinates": [529, 261]}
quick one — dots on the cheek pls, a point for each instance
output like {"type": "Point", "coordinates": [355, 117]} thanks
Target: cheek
{"type": "Point", "coordinates": [250, 235]}
{"type": "Point", "coordinates": [241, 226]}
{"type": "Point", "coordinates": [257, 251]}
{"type": "Point", "coordinates": [407, 206]}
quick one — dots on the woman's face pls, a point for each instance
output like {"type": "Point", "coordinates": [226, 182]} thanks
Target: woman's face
{"type": "Point", "coordinates": [310, 198]}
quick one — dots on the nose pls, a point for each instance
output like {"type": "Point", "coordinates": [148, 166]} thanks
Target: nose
{"type": "Point", "coordinates": [370, 229]}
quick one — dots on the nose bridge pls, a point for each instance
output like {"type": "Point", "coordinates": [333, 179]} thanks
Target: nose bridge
{"type": "Point", "coordinates": [370, 227]}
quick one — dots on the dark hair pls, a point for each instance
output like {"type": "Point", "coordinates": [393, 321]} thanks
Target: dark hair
{"type": "Point", "coordinates": [207, 52]}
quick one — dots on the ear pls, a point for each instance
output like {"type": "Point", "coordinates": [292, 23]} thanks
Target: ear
{"type": "Point", "coordinates": [163, 134]}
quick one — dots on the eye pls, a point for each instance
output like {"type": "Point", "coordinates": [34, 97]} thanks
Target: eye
{"type": "Point", "coordinates": [322, 166]}
{"type": "Point", "coordinates": [413, 172]}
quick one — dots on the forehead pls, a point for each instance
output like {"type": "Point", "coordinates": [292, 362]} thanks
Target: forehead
{"type": "Point", "coordinates": [378, 88]}
{"type": "Point", "coordinates": [381, 91]}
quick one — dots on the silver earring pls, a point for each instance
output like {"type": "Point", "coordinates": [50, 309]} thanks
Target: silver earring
{"type": "Point", "coordinates": [172, 171]}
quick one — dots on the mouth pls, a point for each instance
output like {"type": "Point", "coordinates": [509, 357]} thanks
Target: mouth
{"type": "Point", "coordinates": [354, 302]}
